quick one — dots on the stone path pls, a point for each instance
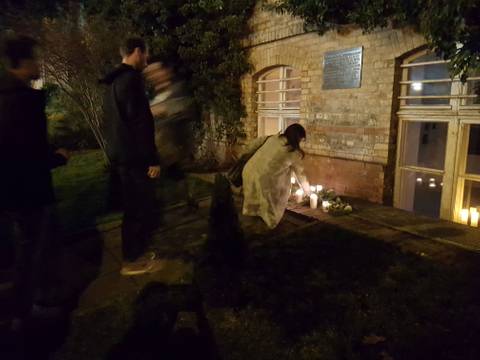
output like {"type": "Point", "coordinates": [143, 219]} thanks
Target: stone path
{"type": "Point", "coordinates": [178, 242]}
{"type": "Point", "coordinates": [439, 239]}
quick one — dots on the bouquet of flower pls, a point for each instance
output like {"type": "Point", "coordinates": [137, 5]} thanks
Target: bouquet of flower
{"type": "Point", "coordinates": [339, 207]}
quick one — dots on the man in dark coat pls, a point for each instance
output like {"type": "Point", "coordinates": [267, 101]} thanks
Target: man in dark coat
{"type": "Point", "coordinates": [26, 191]}
{"type": "Point", "coordinates": [129, 134]}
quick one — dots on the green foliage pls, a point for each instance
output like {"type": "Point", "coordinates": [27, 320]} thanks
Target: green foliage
{"type": "Point", "coordinates": [82, 186]}
{"type": "Point", "coordinates": [78, 48]}
{"type": "Point", "coordinates": [66, 124]}
{"type": "Point", "coordinates": [203, 39]}
{"type": "Point", "coordinates": [71, 131]}
{"type": "Point", "coordinates": [445, 23]}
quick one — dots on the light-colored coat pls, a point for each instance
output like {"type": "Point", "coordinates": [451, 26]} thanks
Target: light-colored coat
{"type": "Point", "coordinates": [266, 179]}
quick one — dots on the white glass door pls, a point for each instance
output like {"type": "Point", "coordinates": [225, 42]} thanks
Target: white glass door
{"type": "Point", "coordinates": [422, 166]}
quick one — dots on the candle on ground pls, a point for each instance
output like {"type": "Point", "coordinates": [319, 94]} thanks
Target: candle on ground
{"type": "Point", "coordinates": [474, 219]}
{"type": "Point", "coordinates": [313, 201]}
{"type": "Point", "coordinates": [464, 216]}
{"type": "Point", "coordinates": [299, 195]}
{"type": "Point", "coordinates": [325, 205]}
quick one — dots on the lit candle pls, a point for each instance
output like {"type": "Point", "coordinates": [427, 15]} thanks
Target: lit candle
{"type": "Point", "coordinates": [319, 188]}
{"type": "Point", "coordinates": [313, 189]}
{"type": "Point", "coordinates": [313, 201]}
{"type": "Point", "coordinates": [325, 205]}
{"type": "Point", "coordinates": [474, 219]}
{"type": "Point", "coordinates": [299, 195]}
{"type": "Point", "coordinates": [464, 216]}
{"type": "Point", "coordinates": [292, 180]}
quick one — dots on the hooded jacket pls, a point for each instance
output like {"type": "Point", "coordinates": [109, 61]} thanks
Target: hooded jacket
{"type": "Point", "coordinates": [25, 155]}
{"type": "Point", "coordinates": [128, 122]}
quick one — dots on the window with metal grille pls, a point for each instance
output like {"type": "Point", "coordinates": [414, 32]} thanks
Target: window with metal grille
{"type": "Point", "coordinates": [426, 82]}
{"type": "Point", "coordinates": [278, 100]}
{"type": "Point", "coordinates": [438, 140]}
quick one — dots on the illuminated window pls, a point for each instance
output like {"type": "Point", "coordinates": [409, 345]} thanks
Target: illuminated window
{"type": "Point", "coordinates": [438, 171]}
{"type": "Point", "coordinates": [278, 100]}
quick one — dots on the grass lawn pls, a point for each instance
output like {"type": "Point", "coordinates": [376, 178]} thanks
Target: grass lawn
{"type": "Point", "coordinates": [317, 293]}
{"type": "Point", "coordinates": [82, 190]}
{"type": "Point", "coordinates": [320, 293]}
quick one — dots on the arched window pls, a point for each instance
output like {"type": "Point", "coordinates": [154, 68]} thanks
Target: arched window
{"type": "Point", "coordinates": [439, 140]}
{"type": "Point", "coordinates": [426, 81]}
{"type": "Point", "coordinates": [278, 99]}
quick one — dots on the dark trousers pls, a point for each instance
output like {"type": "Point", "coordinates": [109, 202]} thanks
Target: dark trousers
{"type": "Point", "coordinates": [138, 192]}
{"type": "Point", "coordinates": [36, 257]}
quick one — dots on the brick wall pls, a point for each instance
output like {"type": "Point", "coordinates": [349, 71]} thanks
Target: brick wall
{"type": "Point", "coordinates": [349, 131]}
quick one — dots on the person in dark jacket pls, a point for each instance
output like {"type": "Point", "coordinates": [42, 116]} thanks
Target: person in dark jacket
{"type": "Point", "coordinates": [130, 144]}
{"type": "Point", "coordinates": [26, 191]}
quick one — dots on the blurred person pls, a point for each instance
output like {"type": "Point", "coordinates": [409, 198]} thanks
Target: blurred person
{"type": "Point", "coordinates": [129, 133]}
{"type": "Point", "coordinates": [26, 190]}
{"type": "Point", "coordinates": [266, 175]}
{"type": "Point", "coordinates": [175, 112]}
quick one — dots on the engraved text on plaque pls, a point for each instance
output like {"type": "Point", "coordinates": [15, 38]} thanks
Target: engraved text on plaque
{"type": "Point", "coordinates": [342, 69]}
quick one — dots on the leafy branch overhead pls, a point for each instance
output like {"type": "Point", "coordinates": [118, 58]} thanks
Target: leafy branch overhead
{"type": "Point", "coordinates": [203, 39]}
{"type": "Point", "coordinates": [451, 27]}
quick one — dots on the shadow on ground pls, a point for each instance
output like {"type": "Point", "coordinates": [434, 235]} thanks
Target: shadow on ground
{"type": "Point", "coordinates": [45, 333]}
{"type": "Point", "coordinates": [155, 333]}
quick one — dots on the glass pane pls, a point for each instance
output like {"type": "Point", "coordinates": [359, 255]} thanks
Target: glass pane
{"type": "Point", "coordinates": [293, 84]}
{"type": "Point", "coordinates": [274, 74]}
{"type": "Point", "coordinates": [270, 86]}
{"type": "Point", "coordinates": [270, 99]}
{"type": "Point", "coordinates": [428, 72]}
{"type": "Point", "coordinates": [290, 85]}
{"type": "Point", "coordinates": [473, 154]}
{"type": "Point", "coordinates": [473, 88]}
{"type": "Point", "coordinates": [425, 144]}
{"type": "Point", "coordinates": [421, 193]}
{"type": "Point", "coordinates": [471, 195]}
{"type": "Point", "coordinates": [293, 98]}
{"type": "Point", "coordinates": [424, 58]}
{"type": "Point", "coordinates": [269, 125]}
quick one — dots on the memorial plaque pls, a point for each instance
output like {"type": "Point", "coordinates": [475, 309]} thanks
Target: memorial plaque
{"type": "Point", "coordinates": [342, 69]}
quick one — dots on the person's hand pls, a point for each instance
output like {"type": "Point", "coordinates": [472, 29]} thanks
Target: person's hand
{"type": "Point", "coordinates": [63, 152]}
{"type": "Point", "coordinates": [153, 172]}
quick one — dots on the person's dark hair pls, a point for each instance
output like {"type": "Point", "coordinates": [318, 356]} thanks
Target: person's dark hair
{"type": "Point", "coordinates": [19, 48]}
{"type": "Point", "coordinates": [129, 46]}
{"type": "Point", "coordinates": [294, 134]}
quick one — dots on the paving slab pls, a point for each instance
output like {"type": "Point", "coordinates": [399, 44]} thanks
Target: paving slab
{"type": "Point", "coordinates": [423, 235]}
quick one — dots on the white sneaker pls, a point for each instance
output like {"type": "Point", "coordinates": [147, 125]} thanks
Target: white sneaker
{"type": "Point", "coordinates": [141, 266]}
